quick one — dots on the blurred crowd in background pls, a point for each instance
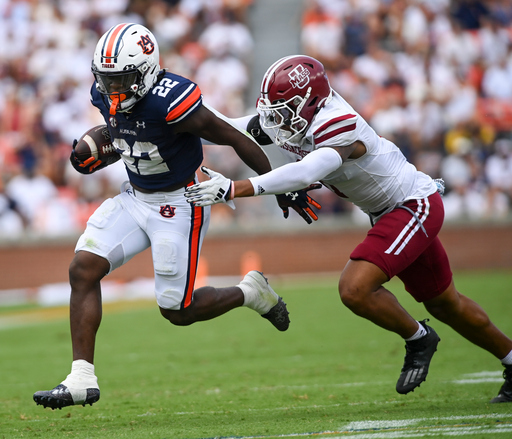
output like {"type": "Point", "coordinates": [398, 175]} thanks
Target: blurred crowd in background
{"type": "Point", "coordinates": [434, 76]}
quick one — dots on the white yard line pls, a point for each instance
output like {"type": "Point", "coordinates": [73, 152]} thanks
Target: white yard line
{"type": "Point", "coordinates": [485, 376]}
{"type": "Point", "coordinates": [406, 428]}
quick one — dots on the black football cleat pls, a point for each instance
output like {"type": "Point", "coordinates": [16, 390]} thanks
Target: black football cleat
{"type": "Point", "coordinates": [60, 397]}
{"type": "Point", "coordinates": [278, 315]}
{"type": "Point", "coordinates": [505, 394]}
{"type": "Point", "coordinates": [418, 354]}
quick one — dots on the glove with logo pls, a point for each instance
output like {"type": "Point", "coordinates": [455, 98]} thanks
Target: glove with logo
{"type": "Point", "coordinates": [213, 191]}
{"type": "Point", "coordinates": [87, 166]}
{"type": "Point", "coordinates": [300, 201]}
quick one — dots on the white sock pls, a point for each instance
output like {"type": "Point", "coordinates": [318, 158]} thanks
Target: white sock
{"type": "Point", "coordinates": [250, 295]}
{"type": "Point", "coordinates": [257, 294]}
{"type": "Point", "coordinates": [508, 359]}
{"type": "Point", "coordinates": [421, 332]}
{"type": "Point", "coordinates": [82, 376]}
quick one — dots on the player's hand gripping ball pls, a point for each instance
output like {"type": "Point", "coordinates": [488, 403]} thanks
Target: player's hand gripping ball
{"type": "Point", "coordinates": [93, 151]}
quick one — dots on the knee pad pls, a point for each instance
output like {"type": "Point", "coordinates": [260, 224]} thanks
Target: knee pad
{"type": "Point", "coordinates": [171, 263]}
{"type": "Point", "coordinates": [170, 254]}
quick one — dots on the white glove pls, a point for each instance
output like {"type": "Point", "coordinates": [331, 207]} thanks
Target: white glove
{"type": "Point", "coordinates": [213, 191]}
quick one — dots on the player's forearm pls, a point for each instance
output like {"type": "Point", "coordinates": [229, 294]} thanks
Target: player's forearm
{"type": "Point", "coordinates": [293, 176]}
{"type": "Point", "coordinates": [213, 126]}
{"type": "Point", "coordinates": [243, 188]}
{"type": "Point", "coordinates": [234, 132]}
{"type": "Point", "coordinates": [253, 156]}
{"type": "Point", "coordinates": [246, 148]}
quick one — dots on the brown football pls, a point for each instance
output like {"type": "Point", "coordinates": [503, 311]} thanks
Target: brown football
{"type": "Point", "coordinates": [97, 143]}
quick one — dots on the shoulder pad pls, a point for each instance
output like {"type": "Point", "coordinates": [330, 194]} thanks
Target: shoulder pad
{"type": "Point", "coordinates": [254, 129]}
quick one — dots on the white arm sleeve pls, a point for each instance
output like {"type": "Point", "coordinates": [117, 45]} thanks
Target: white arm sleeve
{"type": "Point", "coordinates": [294, 176]}
{"type": "Point", "coordinates": [240, 122]}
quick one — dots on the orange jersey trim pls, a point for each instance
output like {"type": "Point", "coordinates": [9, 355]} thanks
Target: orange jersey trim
{"type": "Point", "coordinates": [190, 100]}
{"type": "Point", "coordinates": [195, 240]}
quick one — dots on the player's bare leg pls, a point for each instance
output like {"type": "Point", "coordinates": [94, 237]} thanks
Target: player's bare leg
{"type": "Point", "coordinates": [361, 290]}
{"type": "Point", "coordinates": [207, 303]}
{"type": "Point", "coordinates": [469, 319]}
{"type": "Point", "coordinates": [81, 385]}
{"type": "Point", "coordinates": [85, 273]}
{"type": "Point", "coordinates": [253, 292]}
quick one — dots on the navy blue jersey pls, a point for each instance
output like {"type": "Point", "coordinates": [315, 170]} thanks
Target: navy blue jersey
{"type": "Point", "coordinates": [154, 155]}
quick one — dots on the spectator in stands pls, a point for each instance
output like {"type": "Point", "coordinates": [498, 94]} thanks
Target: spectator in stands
{"type": "Point", "coordinates": [12, 222]}
{"type": "Point", "coordinates": [30, 190]}
{"type": "Point", "coordinates": [429, 45]}
{"type": "Point", "coordinates": [498, 171]}
{"type": "Point", "coordinates": [322, 33]}
{"type": "Point", "coordinates": [227, 36]}
{"type": "Point", "coordinates": [465, 198]}
{"type": "Point", "coordinates": [469, 13]}
{"type": "Point", "coordinates": [497, 81]}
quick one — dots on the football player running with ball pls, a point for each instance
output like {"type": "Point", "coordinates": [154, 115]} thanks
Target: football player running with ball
{"type": "Point", "coordinates": [156, 120]}
{"type": "Point", "coordinates": [329, 142]}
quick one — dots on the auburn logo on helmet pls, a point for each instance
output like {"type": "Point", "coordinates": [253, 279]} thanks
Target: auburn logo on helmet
{"type": "Point", "coordinates": [167, 211]}
{"type": "Point", "coordinates": [148, 47]}
{"type": "Point", "coordinates": [299, 77]}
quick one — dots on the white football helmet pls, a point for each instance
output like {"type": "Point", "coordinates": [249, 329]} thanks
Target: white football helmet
{"type": "Point", "coordinates": [126, 64]}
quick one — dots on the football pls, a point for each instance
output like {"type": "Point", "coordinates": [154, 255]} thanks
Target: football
{"type": "Point", "coordinates": [97, 143]}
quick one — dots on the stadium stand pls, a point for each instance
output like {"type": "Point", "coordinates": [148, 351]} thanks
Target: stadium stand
{"type": "Point", "coordinates": [435, 76]}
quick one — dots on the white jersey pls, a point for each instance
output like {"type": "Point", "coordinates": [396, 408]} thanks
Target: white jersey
{"type": "Point", "coordinates": [377, 181]}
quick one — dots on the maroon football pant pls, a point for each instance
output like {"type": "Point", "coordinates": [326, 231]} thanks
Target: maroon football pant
{"type": "Point", "coordinates": [406, 245]}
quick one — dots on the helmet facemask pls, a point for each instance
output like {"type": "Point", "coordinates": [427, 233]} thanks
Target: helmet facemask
{"type": "Point", "coordinates": [284, 119]}
{"type": "Point", "coordinates": [123, 88]}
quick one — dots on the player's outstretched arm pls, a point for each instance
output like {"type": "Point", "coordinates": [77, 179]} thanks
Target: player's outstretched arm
{"type": "Point", "coordinates": [219, 189]}
{"type": "Point", "coordinates": [210, 126]}
{"type": "Point", "coordinates": [297, 199]}
{"type": "Point", "coordinates": [287, 178]}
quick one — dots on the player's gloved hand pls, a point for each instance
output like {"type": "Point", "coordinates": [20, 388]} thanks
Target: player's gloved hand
{"type": "Point", "coordinates": [300, 201]}
{"type": "Point", "coordinates": [85, 167]}
{"type": "Point", "coordinates": [440, 185]}
{"type": "Point", "coordinates": [213, 191]}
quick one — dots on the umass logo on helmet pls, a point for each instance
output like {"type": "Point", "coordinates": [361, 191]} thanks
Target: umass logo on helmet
{"type": "Point", "coordinates": [299, 76]}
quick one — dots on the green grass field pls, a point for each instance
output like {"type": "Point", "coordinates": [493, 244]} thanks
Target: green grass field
{"type": "Point", "coordinates": [331, 375]}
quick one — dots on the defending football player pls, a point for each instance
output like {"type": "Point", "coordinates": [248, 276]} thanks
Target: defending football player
{"type": "Point", "coordinates": [157, 120]}
{"type": "Point", "coordinates": [329, 142]}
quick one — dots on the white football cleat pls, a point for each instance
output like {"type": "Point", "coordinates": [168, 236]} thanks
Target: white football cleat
{"type": "Point", "coordinates": [260, 297]}
{"type": "Point", "coordinates": [79, 388]}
